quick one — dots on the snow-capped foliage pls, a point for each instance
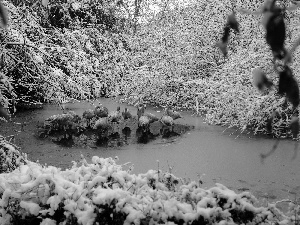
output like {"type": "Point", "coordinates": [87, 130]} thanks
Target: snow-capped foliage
{"type": "Point", "coordinates": [60, 65]}
{"type": "Point", "coordinates": [10, 156]}
{"type": "Point", "coordinates": [63, 122]}
{"type": "Point", "coordinates": [103, 192]}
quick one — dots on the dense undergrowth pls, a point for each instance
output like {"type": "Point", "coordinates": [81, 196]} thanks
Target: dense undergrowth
{"type": "Point", "coordinates": [200, 79]}
{"type": "Point", "coordinates": [171, 60]}
{"type": "Point", "coordinates": [46, 63]}
{"type": "Point", "coordinates": [103, 192]}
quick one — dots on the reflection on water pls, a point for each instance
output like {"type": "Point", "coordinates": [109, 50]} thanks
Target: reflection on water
{"type": "Point", "coordinates": [205, 152]}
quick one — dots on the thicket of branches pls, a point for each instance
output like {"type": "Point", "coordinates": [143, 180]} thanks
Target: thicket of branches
{"type": "Point", "coordinates": [49, 55]}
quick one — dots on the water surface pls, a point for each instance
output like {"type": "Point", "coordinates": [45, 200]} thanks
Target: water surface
{"type": "Point", "coordinates": [206, 152]}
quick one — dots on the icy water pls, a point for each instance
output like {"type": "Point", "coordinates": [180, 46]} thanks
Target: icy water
{"type": "Point", "coordinates": [204, 152]}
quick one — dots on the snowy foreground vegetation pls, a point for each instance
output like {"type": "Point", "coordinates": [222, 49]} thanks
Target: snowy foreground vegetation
{"type": "Point", "coordinates": [103, 192]}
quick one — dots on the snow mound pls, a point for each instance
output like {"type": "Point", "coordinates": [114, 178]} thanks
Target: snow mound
{"type": "Point", "coordinates": [104, 193]}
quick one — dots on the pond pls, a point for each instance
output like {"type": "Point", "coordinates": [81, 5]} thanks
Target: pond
{"type": "Point", "coordinates": [204, 152]}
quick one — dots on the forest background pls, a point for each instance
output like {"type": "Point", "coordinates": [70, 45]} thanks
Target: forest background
{"type": "Point", "coordinates": [156, 52]}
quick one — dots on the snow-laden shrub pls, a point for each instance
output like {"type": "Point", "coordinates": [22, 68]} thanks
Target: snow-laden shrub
{"type": "Point", "coordinates": [104, 193]}
{"type": "Point", "coordinates": [10, 156]}
{"type": "Point", "coordinates": [55, 65]}
{"type": "Point", "coordinates": [62, 122]}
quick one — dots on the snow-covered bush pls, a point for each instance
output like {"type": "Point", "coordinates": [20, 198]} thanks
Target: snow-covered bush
{"type": "Point", "coordinates": [103, 192]}
{"type": "Point", "coordinates": [55, 65]}
{"type": "Point", "coordinates": [10, 156]}
{"type": "Point", "coordinates": [62, 122]}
